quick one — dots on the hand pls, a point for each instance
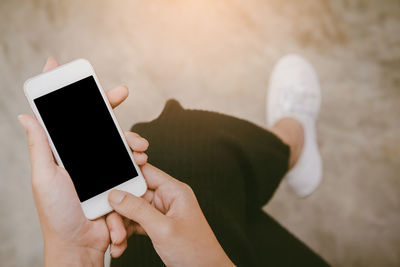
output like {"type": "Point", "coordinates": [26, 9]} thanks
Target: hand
{"type": "Point", "coordinates": [171, 216]}
{"type": "Point", "coordinates": [69, 237]}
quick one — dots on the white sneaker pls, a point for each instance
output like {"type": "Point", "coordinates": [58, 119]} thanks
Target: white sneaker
{"type": "Point", "coordinates": [294, 92]}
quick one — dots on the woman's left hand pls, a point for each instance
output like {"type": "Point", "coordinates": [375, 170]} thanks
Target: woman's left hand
{"type": "Point", "coordinates": [69, 237]}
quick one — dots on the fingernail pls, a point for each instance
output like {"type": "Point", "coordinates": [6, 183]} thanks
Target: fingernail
{"type": "Point", "coordinates": [116, 196]}
{"type": "Point", "coordinates": [111, 250]}
{"type": "Point", "coordinates": [21, 120]}
{"type": "Point", "coordinates": [113, 237]}
{"type": "Point", "coordinates": [145, 141]}
{"type": "Point", "coordinates": [19, 117]}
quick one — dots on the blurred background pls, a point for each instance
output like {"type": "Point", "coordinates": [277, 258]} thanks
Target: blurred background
{"type": "Point", "coordinates": [217, 55]}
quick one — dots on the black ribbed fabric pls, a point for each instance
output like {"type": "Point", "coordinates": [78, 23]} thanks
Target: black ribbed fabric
{"type": "Point", "coordinates": [234, 168]}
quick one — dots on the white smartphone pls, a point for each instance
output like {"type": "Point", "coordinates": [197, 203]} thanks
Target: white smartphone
{"type": "Point", "coordinates": [84, 134]}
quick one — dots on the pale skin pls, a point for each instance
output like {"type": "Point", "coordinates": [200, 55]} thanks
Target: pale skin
{"type": "Point", "coordinates": [291, 132]}
{"type": "Point", "coordinates": [168, 213]}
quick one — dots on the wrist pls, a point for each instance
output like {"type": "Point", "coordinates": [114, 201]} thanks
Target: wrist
{"type": "Point", "coordinates": [217, 257]}
{"type": "Point", "coordinates": [65, 255]}
{"type": "Point", "coordinates": [224, 260]}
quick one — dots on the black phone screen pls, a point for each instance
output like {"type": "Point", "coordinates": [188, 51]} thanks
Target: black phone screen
{"type": "Point", "coordinates": [86, 138]}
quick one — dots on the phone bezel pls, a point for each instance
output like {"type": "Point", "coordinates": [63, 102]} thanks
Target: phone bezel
{"type": "Point", "coordinates": [60, 77]}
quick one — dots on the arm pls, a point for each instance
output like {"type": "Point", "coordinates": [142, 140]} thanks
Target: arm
{"type": "Point", "coordinates": [70, 239]}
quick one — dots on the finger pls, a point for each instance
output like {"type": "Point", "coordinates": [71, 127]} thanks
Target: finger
{"type": "Point", "coordinates": [117, 95]}
{"type": "Point", "coordinates": [116, 227]}
{"type": "Point", "coordinates": [126, 221]}
{"type": "Point", "coordinates": [117, 250]}
{"type": "Point", "coordinates": [138, 210]}
{"type": "Point", "coordinates": [40, 153]}
{"type": "Point", "coordinates": [134, 228]}
{"type": "Point", "coordinates": [155, 177]}
{"type": "Point", "coordinates": [51, 63]}
{"type": "Point", "coordinates": [136, 142]}
{"type": "Point", "coordinates": [149, 196]}
{"type": "Point", "coordinates": [140, 158]}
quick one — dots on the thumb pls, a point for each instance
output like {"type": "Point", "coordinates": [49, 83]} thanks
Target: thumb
{"type": "Point", "coordinates": [137, 209]}
{"type": "Point", "coordinates": [51, 63]}
{"type": "Point", "coordinates": [39, 150]}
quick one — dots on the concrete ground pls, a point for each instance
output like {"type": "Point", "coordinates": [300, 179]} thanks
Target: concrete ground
{"type": "Point", "coordinates": [217, 55]}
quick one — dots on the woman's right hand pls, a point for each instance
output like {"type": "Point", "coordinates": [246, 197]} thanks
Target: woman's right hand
{"type": "Point", "coordinates": [171, 216]}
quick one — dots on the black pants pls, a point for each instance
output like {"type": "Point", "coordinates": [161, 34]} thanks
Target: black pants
{"type": "Point", "coordinates": [234, 168]}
